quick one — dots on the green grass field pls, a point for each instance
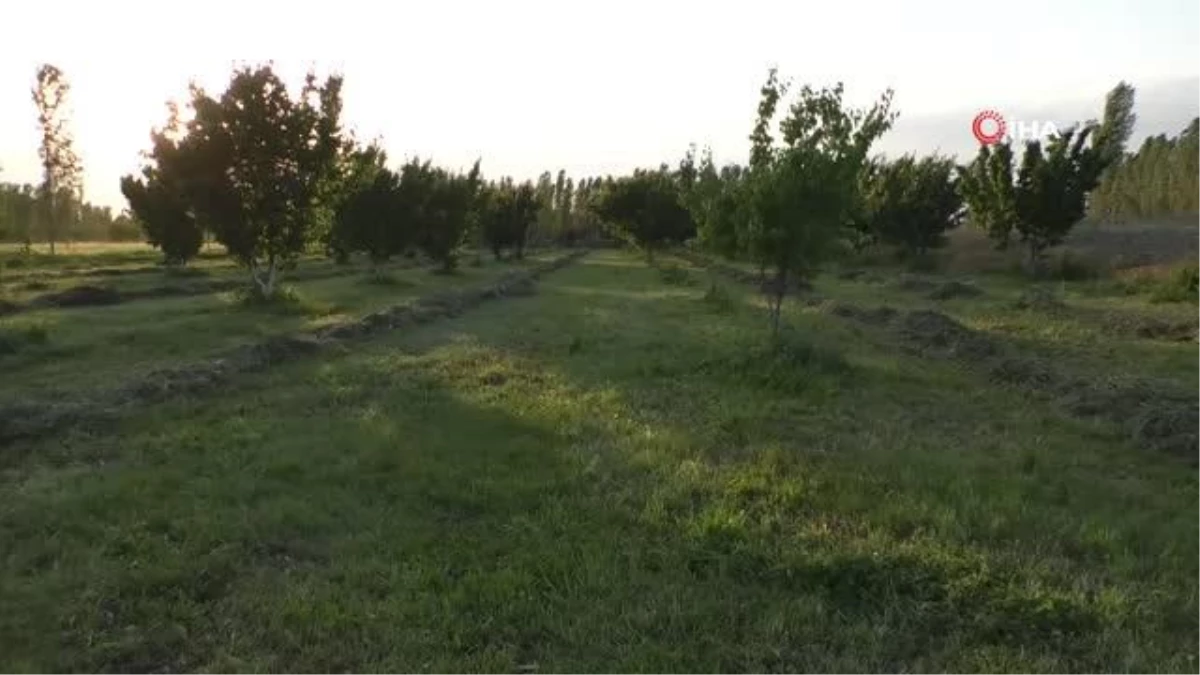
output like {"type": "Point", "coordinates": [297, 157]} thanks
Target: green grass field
{"type": "Point", "coordinates": [616, 473]}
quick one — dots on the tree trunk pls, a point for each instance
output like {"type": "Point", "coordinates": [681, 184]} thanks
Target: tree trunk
{"type": "Point", "coordinates": [778, 289]}
{"type": "Point", "coordinates": [1034, 268]}
{"type": "Point", "coordinates": [272, 270]}
{"type": "Point", "coordinates": [50, 222]}
{"type": "Point", "coordinates": [266, 286]}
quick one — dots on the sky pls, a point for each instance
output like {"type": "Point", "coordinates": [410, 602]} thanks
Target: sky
{"type": "Point", "coordinates": [599, 87]}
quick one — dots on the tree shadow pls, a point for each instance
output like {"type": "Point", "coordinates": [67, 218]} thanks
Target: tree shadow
{"type": "Point", "coordinates": [543, 484]}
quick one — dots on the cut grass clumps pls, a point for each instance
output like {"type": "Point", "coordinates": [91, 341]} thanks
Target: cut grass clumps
{"type": "Point", "coordinates": [1040, 299]}
{"type": "Point", "coordinates": [19, 338]}
{"type": "Point", "coordinates": [386, 279]}
{"type": "Point", "coordinates": [955, 289]}
{"type": "Point", "coordinates": [1150, 328]}
{"type": "Point", "coordinates": [287, 301]}
{"type": "Point", "coordinates": [81, 296]}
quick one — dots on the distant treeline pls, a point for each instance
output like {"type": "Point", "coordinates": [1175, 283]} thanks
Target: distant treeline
{"type": "Point", "coordinates": [1161, 179]}
{"type": "Point", "coordinates": [26, 217]}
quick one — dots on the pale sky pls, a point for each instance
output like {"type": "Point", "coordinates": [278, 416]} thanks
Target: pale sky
{"type": "Point", "coordinates": [594, 87]}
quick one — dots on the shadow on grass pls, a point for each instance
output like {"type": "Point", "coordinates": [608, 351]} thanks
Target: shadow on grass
{"type": "Point", "coordinates": [487, 496]}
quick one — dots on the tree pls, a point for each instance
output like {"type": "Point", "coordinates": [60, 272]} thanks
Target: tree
{"type": "Point", "coordinates": [355, 193]}
{"type": "Point", "coordinates": [371, 219]}
{"type": "Point", "coordinates": [1049, 193]}
{"type": "Point", "coordinates": [1047, 198]}
{"type": "Point", "coordinates": [162, 212]}
{"type": "Point", "coordinates": [506, 214]}
{"type": "Point", "coordinates": [799, 195]}
{"type": "Point", "coordinates": [20, 203]}
{"type": "Point", "coordinates": [565, 200]}
{"type": "Point", "coordinates": [911, 203]}
{"type": "Point", "coordinates": [987, 187]}
{"type": "Point", "coordinates": [645, 209]}
{"type": "Point", "coordinates": [1118, 124]}
{"type": "Point", "coordinates": [713, 197]}
{"type": "Point", "coordinates": [1052, 188]}
{"type": "Point", "coordinates": [254, 162]}
{"type": "Point", "coordinates": [545, 199]}
{"type": "Point", "coordinates": [441, 203]}
{"type": "Point", "coordinates": [61, 172]}
{"type": "Point", "coordinates": [158, 198]}
{"type": "Point", "coordinates": [1162, 178]}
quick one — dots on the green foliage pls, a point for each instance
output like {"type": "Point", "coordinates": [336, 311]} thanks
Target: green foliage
{"type": "Point", "coordinates": [1119, 120]}
{"type": "Point", "coordinates": [348, 228]}
{"type": "Point", "coordinates": [506, 214]}
{"type": "Point", "coordinates": [254, 163]}
{"type": "Point", "coordinates": [911, 203]}
{"type": "Point", "coordinates": [160, 206]}
{"type": "Point", "coordinates": [372, 218]}
{"type": "Point", "coordinates": [1049, 193]}
{"type": "Point", "coordinates": [645, 209]}
{"type": "Point", "coordinates": [800, 194]}
{"type": "Point", "coordinates": [1162, 178]}
{"type": "Point", "coordinates": [1052, 187]}
{"type": "Point", "coordinates": [988, 189]}
{"type": "Point", "coordinates": [442, 204]}
{"type": "Point", "coordinates": [714, 200]}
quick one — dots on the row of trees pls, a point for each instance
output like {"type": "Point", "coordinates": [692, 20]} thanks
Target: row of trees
{"type": "Point", "coordinates": [811, 188]}
{"type": "Point", "coordinates": [250, 168]}
{"type": "Point", "coordinates": [26, 218]}
{"type": "Point", "coordinates": [55, 209]}
{"type": "Point", "coordinates": [270, 175]}
{"type": "Point", "coordinates": [1161, 179]}
{"type": "Point", "coordinates": [564, 213]}
{"type": "Point", "coordinates": [1042, 198]}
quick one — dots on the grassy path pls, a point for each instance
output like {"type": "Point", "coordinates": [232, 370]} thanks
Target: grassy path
{"type": "Point", "coordinates": [88, 347]}
{"type": "Point", "coordinates": [612, 474]}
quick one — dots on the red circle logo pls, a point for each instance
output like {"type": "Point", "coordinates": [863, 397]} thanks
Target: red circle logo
{"type": "Point", "coordinates": [989, 127]}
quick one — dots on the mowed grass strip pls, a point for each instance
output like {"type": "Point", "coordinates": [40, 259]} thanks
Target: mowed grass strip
{"type": "Point", "coordinates": [83, 348]}
{"type": "Point", "coordinates": [1099, 335]}
{"type": "Point", "coordinates": [613, 474]}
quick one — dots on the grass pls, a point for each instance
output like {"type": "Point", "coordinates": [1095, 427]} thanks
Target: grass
{"type": "Point", "coordinates": [603, 476]}
{"type": "Point", "coordinates": [22, 337]}
{"type": "Point", "coordinates": [93, 345]}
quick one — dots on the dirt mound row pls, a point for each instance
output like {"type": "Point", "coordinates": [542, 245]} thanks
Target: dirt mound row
{"type": "Point", "coordinates": [936, 289]}
{"type": "Point", "coordinates": [1154, 415]}
{"type": "Point", "coordinates": [1040, 299]}
{"type": "Point", "coordinates": [26, 419]}
{"type": "Point", "coordinates": [97, 296]}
